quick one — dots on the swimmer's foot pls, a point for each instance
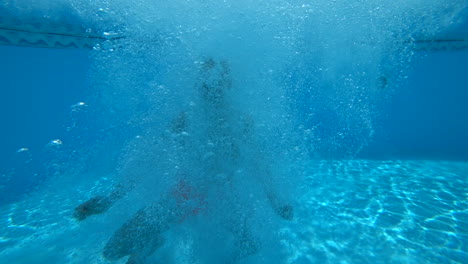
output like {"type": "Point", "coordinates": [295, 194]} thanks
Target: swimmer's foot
{"type": "Point", "coordinates": [141, 256]}
{"type": "Point", "coordinates": [95, 205]}
{"type": "Point", "coordinates": [135, 260]}
{"type": "Point", "coordinates": [244, 247]}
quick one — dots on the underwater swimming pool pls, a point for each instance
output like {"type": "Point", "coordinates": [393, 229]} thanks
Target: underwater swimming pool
{"type": "Point", "coordinates": [204, 132]}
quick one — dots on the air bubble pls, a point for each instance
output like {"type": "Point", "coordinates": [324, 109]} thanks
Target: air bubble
{"type": "Point", "coordinates": [110, 34]}
{"type": "Point", "coordinates": [55, 143]}
{"type": "Point", "coordinates": [78, 106]}
{"type": "Point", "coordinates": [21, 150]}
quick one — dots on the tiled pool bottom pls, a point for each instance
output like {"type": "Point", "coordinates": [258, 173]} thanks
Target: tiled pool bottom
{"type": "Point", "coordinates": [356, 211]}
{"type": "Point", "coordinates": [364, 211]}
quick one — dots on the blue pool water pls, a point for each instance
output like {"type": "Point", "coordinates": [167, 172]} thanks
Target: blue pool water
{"type": "Point", "coordinates": [350, 211]}
{"type": "Point", "coordinates": [234, 132]}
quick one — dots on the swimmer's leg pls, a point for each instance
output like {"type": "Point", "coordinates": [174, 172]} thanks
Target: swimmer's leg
{"type": "Point", "coordinates": [140, 236]}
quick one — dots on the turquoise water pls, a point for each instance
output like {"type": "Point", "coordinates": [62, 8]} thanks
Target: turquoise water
{"type": "Point", "coordinates": [233, 132]}
{"type": "Point", "coordinates": [351, 211]}
{"type": "Point", "coordinates": [399, 211]}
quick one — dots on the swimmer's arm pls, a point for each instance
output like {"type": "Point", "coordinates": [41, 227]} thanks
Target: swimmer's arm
{"type": "Point", "coordinates": [100, 204]}
{"type": "Point", "coordinates": [279, 206]}
{"type": "Point", "coordinates": [282, 209]}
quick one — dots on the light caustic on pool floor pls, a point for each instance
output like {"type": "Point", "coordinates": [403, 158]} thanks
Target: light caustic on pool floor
{"type": "Point", "coordinates": [362, 211]}
{"type": "Point", "coordinates": [356, 211]}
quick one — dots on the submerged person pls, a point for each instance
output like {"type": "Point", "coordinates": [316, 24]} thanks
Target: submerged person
{"type": "Point", "coordinates": [214, 142]}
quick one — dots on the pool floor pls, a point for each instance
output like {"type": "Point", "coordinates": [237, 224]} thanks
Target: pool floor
{"type": "Point", "coordinates": [349, 211]}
